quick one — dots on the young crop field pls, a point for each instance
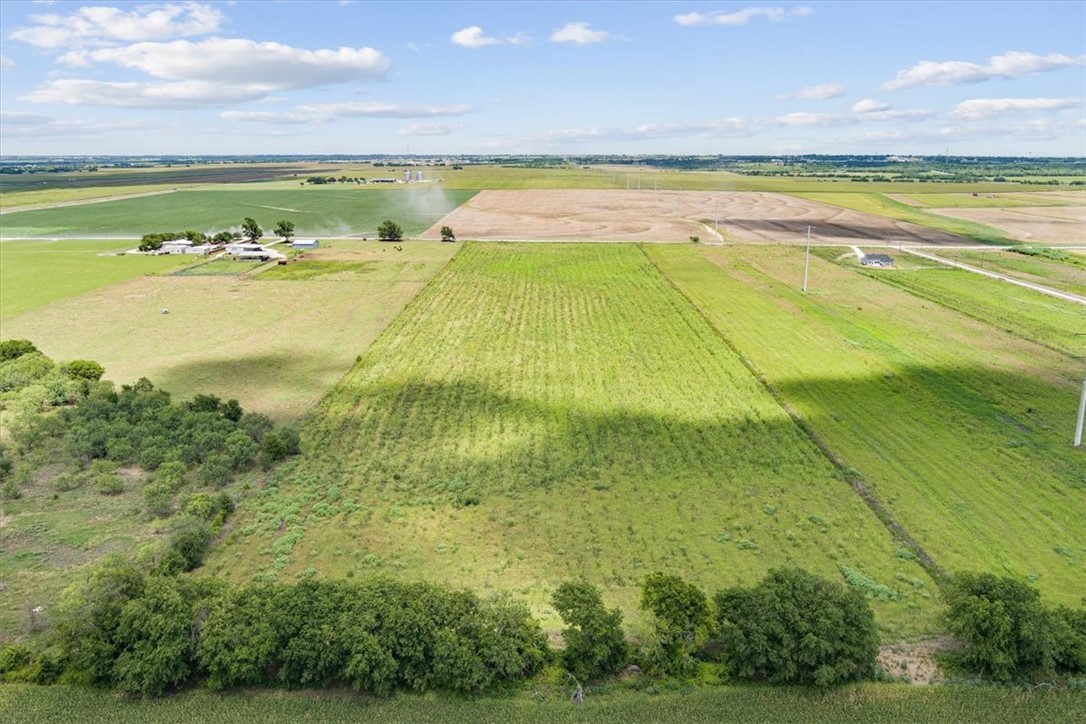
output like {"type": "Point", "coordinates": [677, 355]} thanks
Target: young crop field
{"type": "Point", "coordinates": [548, 411]}
{"type": "Point", "coordinates": [275, 342]}
{"type": "Point", "coordinates": [961, 429]}
{"type": "Point", "coordinates": [34, 273]}
{"type": "Point", "coordinates": [876, 703]}
{"type": "Point", "coordinates": [315, 211]}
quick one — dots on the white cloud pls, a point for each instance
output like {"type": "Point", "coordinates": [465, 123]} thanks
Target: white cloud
{"type": "Point", "coordinates": [821, 92]}
{"type": "Point", "coordinates": [29, 125]}
{"type": "Point", "coordinates": [1012, 64]}
{"type": "Point", "coordinates": [472, 37]}
{"type": "Point", "coordinates": [714, 128]}
{"type": "Point", "coordinates": [741, 17]}
{"type": "Point", "coordinates": [826, 120]}
{"type": "Point", "coordinates": [579, 34]}
{"type": "Point", "coordinates": [326, 112]}
{"type": "Point", "coordinates": [6, 63]}
{"type": "Point", "coordinates": [429, 129]}
{"type": "Point", "coordinates": [868, 105]}
{"type": "Point", "coordinates": [814, 119]}
{"type": "Point", "coordinates": [184, 94]}
{"type": "Point", "coordinates": [980, 108]}
{"type": "Point", "coordinates": [95, 26]}
{"type": "Point", "coordinates": [235, 61]}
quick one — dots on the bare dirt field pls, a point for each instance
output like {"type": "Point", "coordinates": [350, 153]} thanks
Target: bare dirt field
{"type": "Point", "coordinates": [1042, 225]}
{"type": "Point", "coordinates": [671, 216]}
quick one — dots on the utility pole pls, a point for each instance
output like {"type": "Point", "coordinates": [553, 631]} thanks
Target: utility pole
{"type": "Point", "coordinates": [807, 260]}
{"type": "Point", "coordinates": [1081, 414]}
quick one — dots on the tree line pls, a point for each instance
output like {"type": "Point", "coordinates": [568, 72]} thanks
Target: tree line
{"type": "Point", "coordinates": [250, 230]}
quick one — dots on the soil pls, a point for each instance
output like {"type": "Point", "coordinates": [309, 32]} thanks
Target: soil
{"type": "Point", "coordinates": [1039, 225]}
{"type": "Point", "coordinates": [672, 216]}
{"type": "Point", "coordinates": [915, 662]}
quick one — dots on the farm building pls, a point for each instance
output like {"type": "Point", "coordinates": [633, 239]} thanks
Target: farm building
{"type": "Point", "coordinates": [178, 246]}
{"type": "Point", "coordinates": [879, 260]}
{"type": "Point", "coordinates": [305, 243]}
{"type": "Point", "coordinates": [259, 255]}
{"type": "Point", "coordinates": [240, 247]}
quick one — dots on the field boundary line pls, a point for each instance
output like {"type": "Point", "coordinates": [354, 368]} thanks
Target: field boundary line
{"type": "Point", "coordinates": [852, 476]}
{"type": "Point", "coordinates": [84, 202]}
{"type": "Point", "coordinates": [1066, 296]}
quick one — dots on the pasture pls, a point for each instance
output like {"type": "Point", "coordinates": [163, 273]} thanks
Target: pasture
{"type": "Point", "coordinates": [961, 429]}
{"type": "Point", "coordinates": [275, 345]}
{"type": "Point", "coordinates": [35, 273]}
{"type": "Point", "coordinates": [542, 412]}
{"type": "Point", "coordinates": [316, 211]}
{"type": "Point", "coordinates": [1067, 273]}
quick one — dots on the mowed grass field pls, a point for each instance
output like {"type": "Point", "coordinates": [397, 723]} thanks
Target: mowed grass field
{"type": "Point", "coordinates": [33, 273]}
{"type": "Point", "coordinates": [542, 412]}
{"type": "Point", "coordinates": [960, 428]}
{"type": "Point", "coordinates": [869, 702]}
{"type": "Point", "coordinates": [315, 211]}
{"type": "Point", "coordinates": [276, 344]}
{"type": "Point", "coordinates": [1067, 274]}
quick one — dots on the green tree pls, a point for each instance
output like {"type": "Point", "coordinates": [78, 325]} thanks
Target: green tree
{"type": "Point", "coordinates": [795, 627]}
{"type": "Point", "coordinates": [447, 234]}
{"type": "Point", "coordinates": [14, 348]}
{"type": "Point", "coordinates": [595, 645]}
{"type": "Point", "coordinates": [389, 231]}
{"type": "Point", "coordinates": [284, 229]}
{"type": "Point", "coordinates": [683, 620]}
{"type": "Point", "coordinates": [251, 229]}
{"type": "Point", "coordinates": [85, 369]}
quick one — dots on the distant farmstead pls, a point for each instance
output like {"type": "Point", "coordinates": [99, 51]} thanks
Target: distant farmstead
{"type": "Point", "coordinates": [878, 260]}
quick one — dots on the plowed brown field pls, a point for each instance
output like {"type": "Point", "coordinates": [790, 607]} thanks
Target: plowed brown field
{"type": "Point", "coordinates": [674, 216]}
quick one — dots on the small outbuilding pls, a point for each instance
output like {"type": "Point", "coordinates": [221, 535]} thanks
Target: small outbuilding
{"type": "Point", "coordinates": [878, 260]}
{"type": "Point", "coordinates": [305, 244]}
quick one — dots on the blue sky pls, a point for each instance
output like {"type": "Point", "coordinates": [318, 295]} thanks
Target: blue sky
{"type": "Point", "coordinates": [977, 78]}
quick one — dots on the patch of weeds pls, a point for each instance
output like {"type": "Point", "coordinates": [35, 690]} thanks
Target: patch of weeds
{"type": "Point", "coordinates": [769, 509]}
{"type": "Point", "coordinates": [870, 587]}
{"type": "Point", "coordinates": [747, 544]}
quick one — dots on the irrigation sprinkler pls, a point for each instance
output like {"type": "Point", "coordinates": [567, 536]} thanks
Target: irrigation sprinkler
{"type": "Point", "coordinates": [807, 259]}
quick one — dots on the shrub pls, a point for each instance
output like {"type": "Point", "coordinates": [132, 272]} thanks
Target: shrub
{"type": "Point", "coordinates": [683, 620]}
{"type": "Point", "coordinates": [14, 348]}
{"type": "Point", "coordinates": [795, 627]}
{"type": "Point", "coordinates": [84, 369]}
{"type": "Point", "coordinates": [1011, 634]}
{"type": "Point", "coordinates": [188, 540]}
{"type": "Point", "coordinates": [389, 230]}
{"type": "Point", "coordinates": [595, 645]}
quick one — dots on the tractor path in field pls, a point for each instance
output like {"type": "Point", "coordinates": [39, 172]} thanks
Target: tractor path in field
{"type": "Point", "coordinates": [82, 202]}
{"type": "Point", "coordinates": [1002, 277]}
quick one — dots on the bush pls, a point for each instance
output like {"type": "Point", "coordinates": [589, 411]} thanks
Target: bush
{"type": "Point", "coordinates": [389, 230]}
{"type": "Point", "coordinates": [595, 645]}
{"type": "Point", "coordinates": [1010, 633]}
{"type": "Point", "coordinates": [84, 369]}
{"type": "Point", "coordinates": [683, 620]}
{"type": "Point", "coordinates": [14, 348]}
{"type": "Point", "coordinates": [188, 541]}
{"type": "Point", "coordinates": [795, 627]}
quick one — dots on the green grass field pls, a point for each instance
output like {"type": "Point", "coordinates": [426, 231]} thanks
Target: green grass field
{"type": "Point", "coordinates": [875, 703]}
{"type": "Point", "coordinates": [880, 205]}
{"type": "Point", "coordinates": [316, 211]}
{"type": "Point", "coordinates": [34, 273]}
{"type": "Point", "coordinates": [962, 430]}
{"type": "Point", "coordinates": [1068, 274]}
{"type": "Point", "coordinates": [1017, 311]}
{"type": "Point", "coordinates": [546, 411]}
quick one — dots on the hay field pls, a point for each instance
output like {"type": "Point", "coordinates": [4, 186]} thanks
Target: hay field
{"type": "Point", "coordinates": [276, 346]}
{"type": "Point", "coordinates": [672, 216]}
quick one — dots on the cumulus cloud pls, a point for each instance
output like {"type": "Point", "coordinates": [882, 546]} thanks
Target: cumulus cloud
{"type": "Point", "coordinates": [473, 37]}
{"type": "Point", "coordinates": [31, 125]}
{"type": "Point", "coordinates": [1012, 64]}
{"type": "Point", "coordinates": [578, 34]}
{"type": "Point", "coordinates": [96, 26]}
{"type": "Point", "coordinates": [814, 119]}
{"type": "Point", "coordinates": [741, 17]}
{"type": "Point", "coordinates": [325, 112]}
{"type": "Point", "coordinates": [980, 108]}
{"type": "Point", "coordinates": [429, 129]}
{"type": "Point", "coordinates": [6, 62]}
{"type": "Point", "coordinates": [713, 128]}
{"type": "Point", "coordinates": [869, 105]}
{"type": "Point", "coordinates": [241, 61]}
